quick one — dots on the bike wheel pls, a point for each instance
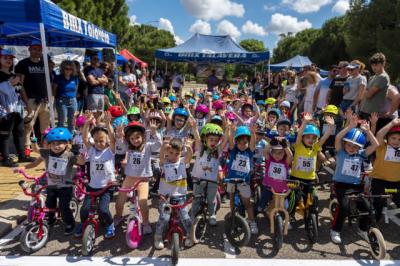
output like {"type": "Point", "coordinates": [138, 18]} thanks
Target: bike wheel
{"type": "Point", "coordinates": [311, 225]}
{"type": "Point", "coordinates": [237, 230]}
{"type": "Point", "coordinates": [74, 206]}
{"type": "Point", "coordinates": [333, 206]}
{"type": "Point", "coordinates": [198, 230]}
{"type": "Point", "coordinates": [175, 248]}
{"type": "Point", "coordinates": [377, 243]}
{"type": "Point", "coordinates": [29, 240]}
{"type": "Point", "coordinates": [278, 236]}
{"type": "Point", "coordinates": [133, 235]}
{"type": "Point", "coordinates": [257, 195]}
{"type": "Point", "coordinates": [88, 239]}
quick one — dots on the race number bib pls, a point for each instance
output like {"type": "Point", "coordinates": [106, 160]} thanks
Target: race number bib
{"type": "Point", "coordinates": [325, 128]}
{"type": "Point", "coordinates": [305, 164]}
{"type": "Point", "coordinates": [277, 171]}
{"type": "Point", "coordinates": [97, 168]}
{"type": "Point", "coordinates": [241, 164]}
{"type": "Point", "coordinates": [136, 160]}
{"type": "Point", "coordinates": [172, 172]}
{"type": "Point", "coordinates": [57, 166]}
{"type": "Point", "coordinates": [351, 168]}
{"type": "Point", "coordinates": [392, 155]}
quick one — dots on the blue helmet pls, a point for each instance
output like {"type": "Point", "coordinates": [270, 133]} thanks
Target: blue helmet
{"type": "Point", "coordinates": [180, 111]}
{"type": "Point", "coordinates": [216, 117]}
{"type": "Point", "coordinates": [122, 120]}
{"type": "Point", "coordinates": [356, 137]}
{"type": "Point", "coordinates": [311, 130]}
{"type": "Point", "coordinates": [215, 97]}
{"type": "Point", "coordinates": [172, 98]}
{"type": "Point", "coordinates": [191, 101]}
{"type": "Point", "coordinates": [242, 131]}
{"type": "Point", "coordinates": [260, 102]}
{"type": "Point", "coordinates": [58, 134]}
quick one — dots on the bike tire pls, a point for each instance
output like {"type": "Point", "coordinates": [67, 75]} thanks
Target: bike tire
{"type": "Point", "coordinates": [30, 230]}
{"type": "Point", "coordinates": [278, 235]}
{"type": "Point", "coordinates": [311, 226]}
{"type": "Point", "coordinates": [377, 244]}
{"type": "Point", "coordinates": [88, 239]}
{"type": "Point", "coordinates": [333, 206]}
{"type": "Point", "coordinates": [199, 228]}
{"type": "Point", "coordinates": [175, 248]}
{"type": "Point", "coordinates": [238, 235]}
{"type": "Point", "coordinates": [133, 235]}
{"type": "Point", "coordinates": [74, 206]}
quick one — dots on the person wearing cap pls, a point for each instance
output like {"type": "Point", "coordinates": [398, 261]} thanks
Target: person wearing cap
{"type": "Point", "coordinates": [34, 92]}
{"type": "Point", "coordinates": [11, 110]}
{"type": "Point", "coordinates": [375, 94]}
{"type": "Point", "coordinates": [335, 93]}
{"type": "Point", "coordinates": [354, 86]}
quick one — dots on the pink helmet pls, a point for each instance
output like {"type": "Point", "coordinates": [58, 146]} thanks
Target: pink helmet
{"type": "Point", "coordinates": [218, 104]}
{"type": "Point", "coordinates": [231, 116]}
{"type": "Point", "coordinates": [80, 121]}
{"type": "Point", "coordinates": [202, 108]}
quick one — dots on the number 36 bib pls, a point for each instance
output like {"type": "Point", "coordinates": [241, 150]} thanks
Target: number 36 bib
{"type": "Point", "coordinates": [241, 164]}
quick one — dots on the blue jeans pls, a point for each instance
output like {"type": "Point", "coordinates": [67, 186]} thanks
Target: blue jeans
{"type": "Point", "coordinates": [346, 104]}
{"type": "Point", "coordinates": [103, 205]}
{"type": "Point", "coordinates": [66, 108]}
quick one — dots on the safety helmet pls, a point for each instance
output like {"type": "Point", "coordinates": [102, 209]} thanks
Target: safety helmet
{"type": "Point", "coordinates": [134, 126]}
{"type": "Point", "coordinates": [172, 98]}
{"type": "Point", "coordinates": [211, 129]}
{"type": "Point", "coordinates": [356, 137]}
{"type": "Point", "coordinates": [115, 110]}
{"type": "Point", "coordinates": [202, 108]}
{"type": "Point", "coordinates": [275, 111]}
{"type": "Point", "coordinates": [122, 120]}
{"type": "Point", "coordinates": [216, 118]}
{"type": "Point", "coordinates": [46, 131]}
{"type": "Point", "coordinates": [242, 131]}
{"type": "Point", "coordinates": [270, 101]}
{"type": "Point", "coordinates": [283, 122]}
{"type": "Point", "coordinates": [58, 134]}
{"type": "Point", "coordinates": [215, 97]}
{"type": "Point", "coordinates": [189, 94]}
{"type": "Point", "coordinates": [260, 102]}
{"type": "Point", "coordinates": [226, 92]}
{"type": "Point", "coordinates": [180, 111]}
{"type": "Point", "coordinates": [395, 129]}
{"type": "Point", "coordinates": [165, 100]}
{"type": "Point", "coordinates": [331, 109]}
{"type": "Point", "coordinates": [285, 104]}
{"type": "Point", "coordinates": [218, 104]}
{"type": "Point", "coordinates": [311, 130]}
{"type": "Point", "coordinates": [133, 111]}
{"type": "Point", "coordinates": [80, 121]}
{"type": "Point", "coordinates": [231, 116]}
{"type": "Point", "coordinates": [191, 101]}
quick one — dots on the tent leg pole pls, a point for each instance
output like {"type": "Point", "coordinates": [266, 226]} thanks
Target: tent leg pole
{"type": "Point", "coordinates": [155, 65]}
{"type": "Point", "coordinates": [269, 71]}
{"type": "Point", "coordinates": [116, 70]}
{"type": "Point", "coordinates": [47, 74]}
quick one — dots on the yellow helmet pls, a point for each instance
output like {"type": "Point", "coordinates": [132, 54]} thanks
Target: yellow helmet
{"type": "Point", "coordinates": [166, 100]}
{"type": "Point", "coordinates": [270, 101]}
{"type": "Point", "coordinates": [331, 109]}
{"type": "Point", "coordinates": [189, 94]}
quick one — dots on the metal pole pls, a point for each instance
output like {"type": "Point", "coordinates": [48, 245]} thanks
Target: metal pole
{"type": "Point", "coordinates": [155, 65]}
{"type": "Point", "coordinates": [116, 84]}
{"type": "Point", "coordinates": [47, 74]}
{"type": "Point", "coordinates": [269, 71]}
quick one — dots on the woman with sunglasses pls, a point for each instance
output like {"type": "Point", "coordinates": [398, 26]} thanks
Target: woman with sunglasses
{"type": "Point", "coordinates": [65, 87]}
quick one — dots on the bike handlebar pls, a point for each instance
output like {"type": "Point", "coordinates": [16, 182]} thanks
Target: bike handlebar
{"type": "Point", "coordinates": [294, 184]}
{"type": "Point", "coordinates": [134, 187]}
{"type": "Point", "coordinates": [176, 206]}
{"type": "Point", "coordinates": [22, 184]}
{"type": "Point", "coordinates": [97, 193]}
{"type": "Point", "coordinates": [29, 177]}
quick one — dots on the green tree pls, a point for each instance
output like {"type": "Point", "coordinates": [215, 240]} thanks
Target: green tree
{"type": "Point", "coordinates": [253, 45]}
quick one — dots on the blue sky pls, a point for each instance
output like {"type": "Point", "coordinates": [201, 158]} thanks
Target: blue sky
{"type": "Point", "coordinates": [259, 19]}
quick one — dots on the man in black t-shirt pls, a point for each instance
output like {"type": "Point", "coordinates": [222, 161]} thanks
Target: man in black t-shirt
{"type": "Point", "coordinates": [335, 93]}
{"type": "Point", "coordinates": [34, 92]}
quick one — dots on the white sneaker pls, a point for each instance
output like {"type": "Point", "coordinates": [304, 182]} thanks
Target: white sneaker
{"type": "Point", "coordinates": [147, 229]}
{"type": "Point", "coordinates": [363, 235]}
{"type": "Point", "coordinates": [335, 237]}
{"type": "Point", "coordinates": [253, 227]}
{"type": "Point", "coordinates": [158, 242]}
{"type": "Point", "coordinates": [213, 220]}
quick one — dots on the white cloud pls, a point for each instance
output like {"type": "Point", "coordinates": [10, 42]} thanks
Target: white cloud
{"type": "Point", "coordinates": [213, 9]}
{"type": "Point", "coordinates": [178, 40]}
{"type": "Point", "coordinates": [253, 28]}
{"type": "Point", "coordinates": [166, 24]}
{"type": "Point", "coordinates": [132, 20]}
{"type": "Point", "coordinates": [283, 24]}
{"type": "Point", "coordinates": [269, 8]}
{"type": "Point", "coordinates": [306, 6]}
{"type": "Point", "coordinates": [341, 7]}
{"type": "Point", "coordinates": [225, 27]}
{"type": "Point", "coordinates": [200, 26]}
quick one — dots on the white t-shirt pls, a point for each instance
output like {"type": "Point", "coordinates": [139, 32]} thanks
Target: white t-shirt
{"type": "Point", "coordinates": [177, 80]}
{"type": "Point", "coordinates": [126, 78]}
{"type": "Point", "coordinates": [102, 168]}
{"type": "Point", "coordinates": [205, 167]}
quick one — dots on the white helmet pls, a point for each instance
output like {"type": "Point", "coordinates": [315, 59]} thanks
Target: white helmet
{"type": "Point", "coordinates": [285, 104]}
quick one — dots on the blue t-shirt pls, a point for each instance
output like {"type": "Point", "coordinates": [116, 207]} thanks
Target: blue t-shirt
{"type": "Point", "coordinates": [66, 88]}
{"type": "Point", "coordinates": [96, 73]}
{"type": "Point", "coordinates": [348, 167]}
{"type": "Point", "coordinates": [240, 164]}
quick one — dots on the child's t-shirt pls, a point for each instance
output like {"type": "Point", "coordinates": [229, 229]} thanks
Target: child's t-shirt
{"type": "Point", "coordinates": [173, 180]}
{"type": "Point", "coordinates": [276, 174]}
{"type": "Point", "coordinates": [102, 168]}
{"type": "Point", "coordinates": [348, 167]}
{"type": "Point", "coordinates": [59, 167]}
{"type": "Point", "coordinates": [206, 166]}
{"type": "Point", "coordinates": [387, 163]}
{"type": "Point", "coordinates": [240, 164]}
{"type": "Point", "coordinates": [305, 161]}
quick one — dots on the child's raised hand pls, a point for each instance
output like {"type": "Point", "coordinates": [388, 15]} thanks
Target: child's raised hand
{"type": "Point", "coordinates": [253, 129]}
{"type": "Point", "coordinates": [88, 117]}
{"type": "Point", "coordinates": [374, 118]}
{"type": "Point", "coordinates": [349, 114]}
{"type": "Point", "coordinates": [353, 121]}
{"type": "Point", "coordinates": [192, 123]}
{"type": "Point", "coordinates": [396, 122]}
{"type": "Point", "coordinates": [364, 126]}
{"type": "Point", "coordinates": [120, 131]}
{"type": "Point", "coordinates": [307, 117]}
{"type": "Point", "coordinates": [107, 118]}
{"type": "Point", "coordinates": [329, 120]}
{"type": "Point", "coordinates": [153, 125]}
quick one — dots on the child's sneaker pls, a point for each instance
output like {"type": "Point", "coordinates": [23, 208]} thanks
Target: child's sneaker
{"type": "Point", "coordinates": [253, 227]}
{"type": "Point", "coordinates": [147, 229]}
{"type": "Point", "coordinates": [158, 242]}
{"type": "Point", "coordinates": [213, 220]}
{"type": "Point", "coordinates": [78, 230]}
{"type": "Point", "coordinates": [335, 237]}
{"type": "Point", "coordinates": [110, 231]}
{"type": "Point", "coordinates": [188, 242]}
{"type": "Point", "coordinates": [69, 230]}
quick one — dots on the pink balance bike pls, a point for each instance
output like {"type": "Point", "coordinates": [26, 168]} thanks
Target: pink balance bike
{"type": "Point", "coordinates": [91, 225]}
{"type": "Point", "coordinates": [175, 233]}
{"type": "Point", "coordinates": [134, 231]}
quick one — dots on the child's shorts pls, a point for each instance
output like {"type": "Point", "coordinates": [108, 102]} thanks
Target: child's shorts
{"type": "Point", "coordinates": [244, 189]}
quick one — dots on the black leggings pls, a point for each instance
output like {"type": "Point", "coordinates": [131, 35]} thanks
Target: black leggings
{"type": "Point", "coordinates": [12, 126]}
{"type": "Point", "coordinates": [378, 187]}
{"type": "Point", "coordinates": [305, 190]}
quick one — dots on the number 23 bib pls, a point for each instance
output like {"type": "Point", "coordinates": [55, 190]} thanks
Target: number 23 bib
{"type": "Point", "coordinates": [241, 164]}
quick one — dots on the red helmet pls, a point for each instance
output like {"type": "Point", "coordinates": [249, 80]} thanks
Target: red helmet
{"type": "Point", "coordinates": [115, 111]}
{"type": "Point", "coordinates": [218, 104]}
{"type": "Point", "coordinates": [136, 126]}
{"type": "Point", "coordinates": [131, 84]}
{"type": "Point", "coordinates": [395, 129]}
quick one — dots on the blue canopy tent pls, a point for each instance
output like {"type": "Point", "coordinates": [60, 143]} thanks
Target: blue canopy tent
{"type": "Point", "coordinates": [24, 21]}
{"type": "Point", "coordinates": [211, 49]}
{"type": "Point", "coordinates": [295, 63]}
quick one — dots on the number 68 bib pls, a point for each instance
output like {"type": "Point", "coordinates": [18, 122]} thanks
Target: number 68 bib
{"type": "Point", "coordinates": [241, 164]}
{"type": "Point", "coordinates": [57, 166]}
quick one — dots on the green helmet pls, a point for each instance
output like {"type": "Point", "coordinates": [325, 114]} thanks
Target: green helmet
{"type": "Point", "coordinates": [133, 111]}
{"type": "Point", "coordinates": [211, 128]}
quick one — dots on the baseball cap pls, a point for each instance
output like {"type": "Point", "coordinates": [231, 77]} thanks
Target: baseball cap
{"type": "Point", "coordinates": [343, 64]}
{"type": "Point", "coordinates": [7, 52]}
{"type": "Point", "coordinates": [35, 43]}
{"type": "Point", "coordinates": [353, 66]}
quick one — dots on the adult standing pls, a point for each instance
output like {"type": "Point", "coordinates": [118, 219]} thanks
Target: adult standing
{"type": "Point", "coordinates": [82, 87]}
{"type": "Point", "coordinates": [159, 79]}
{"type": "Point", "coordinates": [312, 82]}
{"type": "Point", "coordinates": [354, 86]}
{"type": "Point", "coordinates": [65, 87]}
{"type": "Point", "coordinates": [34, 93]}
{"type": "Point", "coordinates": [375, 95]}
{"type": "Point", "coordinates": [212, 81]}
{"type": "Point", "coordinates": [322, 89]}
{"type": "Point", "coordinates": [290, 92]}
{"type": "Point", "coordinates": [11, 111]}
{"type": "Point", "coordinates": [335, 93]}
{"type": "Point", "coordinates": [177, 82]}
{"type": "Point", "coordinates": [274, 89]}
{"type": "Point", "coordinates": [96, 82]}
{"type": "Point", "coordinates": [127, 79]}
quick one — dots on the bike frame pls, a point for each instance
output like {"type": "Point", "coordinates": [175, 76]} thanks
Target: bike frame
{"type": "Point", "coordinates": [278, 206]}
{"type": "Point", "coordinates": [134, 208]}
